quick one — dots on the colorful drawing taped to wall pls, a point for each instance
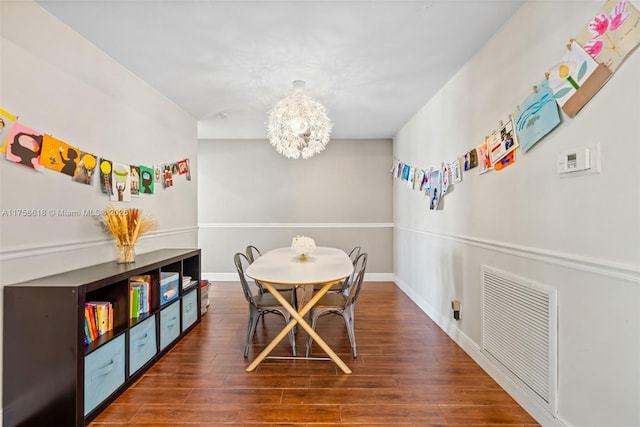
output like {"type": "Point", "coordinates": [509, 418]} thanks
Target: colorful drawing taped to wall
{"type": "Point", "coordinates": [106, 168]}
{"type": "Point", "coordinates": [167, 176]}
{"type": "Point", "coordinates": [86, 169]}
{"type": "Point", "coordinates": [157, 172]}
{"type": "Point", "coordinates": [188, 169]}
{"type": "Point", "coordinates": [502, 142]}
{"type": "Point", "coordinates": [405, 172]}
{"type": "Point", "coordinates": [446, 178]}
{"type": "Point", "coordinates": [183, 167]}
{"type": "Point", "coordinates": [24, 146]}
{"type": "Point", "coordinates": [425, 183]}
{"type": "Point", "coordinates": [7, 120]}
{"type": "Point", "coordinates": [456, 171]}
{"type": "Point", "coordinates": [484, 162]}
{"type": "Point", "coordinates": [507, 160]}
{"type": "Point", "coordinates": [470, 159]}
{"type": "Point", "coordinates": [419, 181]}
{"type": "Point", "coordinates": [612, 33]}
{"type": "Point", "coordinates": [120, 183]}
{"type": "Point", "coordinates": [411, 178]}
{"type": "Point", "coordinates": [436, 188]}
{"type": "Point", "coordinates": [134, 177]}
{"type": "Point", "coordinates": [146, 180]}
{"type": "Point", "coordinates": [576, 79]}
{"type": "Point", "coordinates": [59, 156]}
{"type": "Point", "coordinates": [536, 116]}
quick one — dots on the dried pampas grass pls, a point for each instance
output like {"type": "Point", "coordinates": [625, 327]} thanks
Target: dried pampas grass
{"type": "Point", "coordinates": [127, 225]}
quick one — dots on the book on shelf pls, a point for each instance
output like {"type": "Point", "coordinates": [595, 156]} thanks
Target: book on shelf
{"type": "Point", "coordinates": [186, 281]}
{"type": "Point", "coordinates": [139, 295]}
{"type": "Point", "coordinates": [98, 319]}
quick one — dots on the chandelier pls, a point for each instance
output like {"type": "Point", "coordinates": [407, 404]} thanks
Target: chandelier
{"type": "Point", "coordinates": [298, 125]}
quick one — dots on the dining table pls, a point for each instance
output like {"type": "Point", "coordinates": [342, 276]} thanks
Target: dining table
{"type": "Point", "coordinates": [325, 266]}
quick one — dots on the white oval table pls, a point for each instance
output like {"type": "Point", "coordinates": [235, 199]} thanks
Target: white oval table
{"type": "Point", "coordinates": [325, 266]}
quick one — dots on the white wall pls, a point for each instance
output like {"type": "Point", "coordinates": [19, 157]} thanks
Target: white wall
{"type": "Point", "coordinates": [250, 194]}
{"type": "Point", "coordinates": [579, 235]}
{"type": "Point", "coordinates": [58, 83]}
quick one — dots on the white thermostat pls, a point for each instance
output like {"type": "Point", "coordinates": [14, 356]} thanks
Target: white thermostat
{"type": "Point", "coordinates": [574, 160]}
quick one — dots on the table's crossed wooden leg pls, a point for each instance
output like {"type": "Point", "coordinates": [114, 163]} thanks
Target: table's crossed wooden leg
{"type": "Point", "coordinates": [298, 318]}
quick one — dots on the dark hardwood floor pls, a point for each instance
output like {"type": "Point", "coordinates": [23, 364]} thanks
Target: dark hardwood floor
{"type": "Point", "coordinates": [408, 373]}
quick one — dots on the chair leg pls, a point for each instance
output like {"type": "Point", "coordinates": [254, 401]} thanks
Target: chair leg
{"type": "Point", "coordinates": [253, 322]}
{"type": "Point", "coordinates": [314, 320]}
{"type": "Point", "coordinates": [348, 321]}
{"type": "Point", "coordinates": [292, 337]}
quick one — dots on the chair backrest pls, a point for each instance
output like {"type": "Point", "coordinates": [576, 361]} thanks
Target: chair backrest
{"type": "Point", "coordinates": [356, 279]}
{"type": "Point", "coordinates": [242, 262]}
{"type": "Point", "coordinates": [252, 253]}
{"type": "Point", "coordinates": [353, 255]}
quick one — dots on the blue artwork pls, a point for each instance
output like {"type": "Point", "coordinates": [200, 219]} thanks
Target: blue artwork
{"type": "Point", "coordinates": [537, 116]}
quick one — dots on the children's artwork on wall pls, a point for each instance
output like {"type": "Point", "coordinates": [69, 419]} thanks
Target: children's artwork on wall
{"type": "Point", "coordinates": [86, 169]}
{"type": "Point", "coordinates": [502, 142]}
{"type": "Point", "coordinates": [576, 79]}
{"type": "Point", "coordinates": [456, 171]}
{"type": "Point", "coordinates": [158, 173]}
{"type": "Point", "coordinates": [134, 177]}
{"type": "Point", "coordinates": [507, 160]}
{"type": "Point", "coordinates": [425, 183]}
{"type": "Point", "coordinates": [59, 156]}
{"type": "Point", "coordinates": [436, 188]}
{"type": "Point", "coordinates": [167, 176]}
{"type": "Point", "coordinates": [445, 178]}
{"type": "Point", "coordinates": [24, 146]}
{"type": "Point", "coordinates": [405, 172]}
{"type": "Point", "coordinates": [121, 183]}
{"type": "Point", "coordinates": [419, 181]}
{"type": "Point", "coordinates": [106, 167]}
{"type": "Point", "coordinates": [183, 167]}
{"type": "Point", "coordinates": [536, 116]}
{"type": "Point", "coordinates": [484, 162]}
{"type": "Point", "coordinates": [470, 159]}
{"type": "Point", "coordinates": [612, 33]}
{"type": "Point", "coordinates": [174, 168]}
{"type": "Point", "coordinates": [188, 164]}
{"type": "Point", "coordinates": [411, 178]}
{"type": "Point", "coordinates": [146, 180]}
{"type": "Point", "coordinates": [7, 120]}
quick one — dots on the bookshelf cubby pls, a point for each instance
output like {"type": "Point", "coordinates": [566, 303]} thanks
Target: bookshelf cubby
{"type": "Point", "coordinates": [51, 375]}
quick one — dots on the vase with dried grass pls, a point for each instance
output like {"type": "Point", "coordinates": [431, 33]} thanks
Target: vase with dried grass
{"type": "Point", "coordinates": [126, 226]}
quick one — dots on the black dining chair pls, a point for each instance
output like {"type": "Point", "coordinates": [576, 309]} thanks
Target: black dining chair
{"type": "Point", "coordinates": [341, 303]}
{"type": "Point", "coordinates": [289, 292]}
{"type": "Point", "coordinates": [259, 304]}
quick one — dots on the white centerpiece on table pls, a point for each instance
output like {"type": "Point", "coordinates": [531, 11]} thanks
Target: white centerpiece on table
{"type": "Point", "coordinates": [302, 246]}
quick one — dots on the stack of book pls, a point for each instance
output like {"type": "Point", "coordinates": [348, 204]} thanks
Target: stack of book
{"type": "Point", "coordinates": [186, 281]}
{"type": "Point", "coordinates": [139, 295]}
{"type": "Point", "coordinates": [98, 319]}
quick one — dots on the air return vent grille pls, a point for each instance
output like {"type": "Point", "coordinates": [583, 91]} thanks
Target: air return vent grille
{"type": "Point", "coordinates": [519, 330]}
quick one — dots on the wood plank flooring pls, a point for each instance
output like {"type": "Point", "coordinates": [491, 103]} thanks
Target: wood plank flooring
{"type": "Point", "coordinates": [408, 373]}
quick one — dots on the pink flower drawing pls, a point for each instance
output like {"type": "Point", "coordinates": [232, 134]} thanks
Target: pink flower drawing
{"type": "Point", "coordinates": [618, 15]}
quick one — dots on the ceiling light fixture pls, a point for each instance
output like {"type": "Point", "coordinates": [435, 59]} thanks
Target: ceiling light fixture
{"type": "Point", "coordinates": [298, 125]}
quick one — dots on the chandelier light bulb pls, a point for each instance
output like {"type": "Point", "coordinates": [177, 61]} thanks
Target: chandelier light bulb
{"type": "Point", "coordinates": [298, 125]}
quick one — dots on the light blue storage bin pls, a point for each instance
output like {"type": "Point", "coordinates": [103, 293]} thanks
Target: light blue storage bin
{"type": "Point", "coordinates": [103, 373]}
{"type": "Point", "coordinates": [142, 344]}
{"type": "Point", "coordinates": [169, 324]}
{"type": "Point", "coordinates": [190, 309]}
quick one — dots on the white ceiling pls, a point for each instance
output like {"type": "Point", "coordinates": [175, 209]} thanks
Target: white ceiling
{"type": "Point", "coordinates": [373, 64]}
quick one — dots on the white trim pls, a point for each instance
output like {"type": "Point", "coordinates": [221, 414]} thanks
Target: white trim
{"type": "Point", "coordinates": [232, 277]}
{"type": "Point", "coordinates": [520, 395]}
{"type": "Point", "coordinates": [591, 265]}
{"type": "Point", "coordinates": [33, 250]}
{"type": "Point", "coordinates": [296, 225]}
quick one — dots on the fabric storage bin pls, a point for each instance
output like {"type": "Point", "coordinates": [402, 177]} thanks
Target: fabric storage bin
{"type": "Point", "coordinates": [169, 324]}
{"type": "Point", "coordinates": [142, 344]}
{"type": "Point", "coordinates": [169, 287]}
{"type": "Point", "coordinates": [190, 309]}
{"type": "Point", "coordinates": [103, 372]}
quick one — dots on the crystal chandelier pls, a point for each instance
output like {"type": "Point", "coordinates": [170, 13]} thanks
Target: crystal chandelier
{"type": "Point", "coordinates": [298, 125]}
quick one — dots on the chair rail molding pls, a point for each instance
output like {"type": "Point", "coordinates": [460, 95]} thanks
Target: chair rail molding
{"type": "Point", "coordinates": [627, 272]}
